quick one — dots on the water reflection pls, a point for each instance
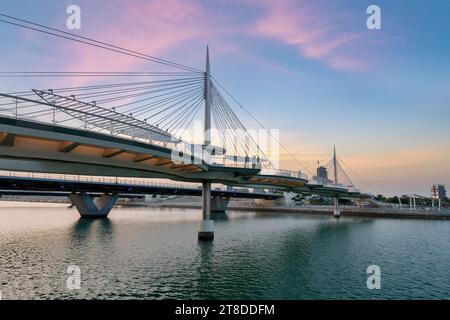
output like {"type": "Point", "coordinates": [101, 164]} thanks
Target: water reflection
{"type": "Point", "coordinates": [205, 273]}
{"type": "Point", "coordinates": [219, 215]}
{"type": "Point", "coordinates": [84, 230]}
{"type": "Point", "coordinates": [154, 254]}
{"type": "Point", "coordinates": [90, 240]}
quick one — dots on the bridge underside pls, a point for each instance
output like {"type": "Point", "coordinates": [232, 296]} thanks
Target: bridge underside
{"type": "Point", "coordinates": [22, 185]}
{"type": "Point", "coordinates": [275, 181]}
{"type": "Point", "coordinates": [30, 146]}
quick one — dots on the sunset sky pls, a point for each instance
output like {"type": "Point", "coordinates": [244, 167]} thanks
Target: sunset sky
{"type": "Point", "coordinates": [309, 68]}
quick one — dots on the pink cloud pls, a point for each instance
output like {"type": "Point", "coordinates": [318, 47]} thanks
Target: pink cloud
{"type": "Point", "coordinates": [317, 34]}
{"type": "Point", "coordinates": [178, 28]}
{"type": "Point", "coordinates": [151, 27]}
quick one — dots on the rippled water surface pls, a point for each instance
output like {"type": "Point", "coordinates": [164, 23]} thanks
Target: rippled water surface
{"type": "Point", "coordinates": [154, 254]}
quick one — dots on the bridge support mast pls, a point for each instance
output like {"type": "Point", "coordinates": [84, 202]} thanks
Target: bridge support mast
{"type": "Point", "coordinates": [206, 228]}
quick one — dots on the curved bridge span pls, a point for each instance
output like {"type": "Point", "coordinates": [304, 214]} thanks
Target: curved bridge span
{"type": "Point", "coordinates": [89, 139]}
{"type": "Point", "coordinates": [39, 147]}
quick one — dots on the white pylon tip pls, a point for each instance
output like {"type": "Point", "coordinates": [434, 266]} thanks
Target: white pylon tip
{"type": "Point", "coordinates": [207, 58]}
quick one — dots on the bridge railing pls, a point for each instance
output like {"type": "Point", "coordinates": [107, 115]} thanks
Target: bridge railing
{"type": "Point", "coordinates": [74, 125]}
{"type": "Point", "coordinates": [284, 173]}
{"type": "Point", "coordinates": [114, 180]}
{"type": "Point", "coordinates": [343, 186]}
{"type": "Point", "coordinates": [353, 189]}
{"type": "Point", "coordinates": [95, 179]}
{"type": "Point", "coordinates": [175, 145]}
{"type": "Point", "coordinates": [333, 185]}
{"type": "Point", "coordinates": [227, 161]}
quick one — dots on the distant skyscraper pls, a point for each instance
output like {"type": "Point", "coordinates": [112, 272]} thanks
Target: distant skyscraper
{"type": "Point", "coordinates": [322, 175]}
{"type": "Point", "coordinates": [438, 192]}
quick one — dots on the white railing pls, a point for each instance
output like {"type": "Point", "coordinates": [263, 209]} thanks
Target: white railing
{"type": "Point", "coordinates": [95, 179]}
{"type": "Point", "coordinates": [315, 182]}
{"type": "Point", "coordinates": [172, 145]}
{"type": "Point", "coordinates": [226, 161]}
{"type": "Point", "coordinates": [353, 189]}
{"type": "Point", "coordinates": [284, 173]}
{"type": "Point", "coordinates": [334, 185]}
{"type": "Point", "coordinates": [114, 180]}
{"type": "Point", "coordinates": [122, 180]}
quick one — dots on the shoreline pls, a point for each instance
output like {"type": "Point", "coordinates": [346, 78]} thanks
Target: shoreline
{"type": "Point", "coordinates": [345, 211]}
{"type": "Point", "coordinates": [349, 211]}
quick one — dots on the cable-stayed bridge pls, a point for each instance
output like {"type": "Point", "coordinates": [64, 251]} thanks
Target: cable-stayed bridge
{"type": "Point", "coordinates": [142, 129]}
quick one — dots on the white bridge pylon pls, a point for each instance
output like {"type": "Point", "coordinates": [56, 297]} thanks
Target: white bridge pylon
{"type": "Point", "coordinates": [206, 227]}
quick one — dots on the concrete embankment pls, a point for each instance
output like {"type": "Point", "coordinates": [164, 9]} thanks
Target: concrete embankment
{"type": "Point", "coordinates": [250, 206]}
{"type": "Point", "coordinates": [443, 214]}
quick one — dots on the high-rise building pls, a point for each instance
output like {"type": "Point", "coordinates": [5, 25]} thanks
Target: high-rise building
{"type": "Point", "coordinates": [322, 175]}
{"type": "Point", "coordinates": [438, 192]}
{"type": "Point", "coordinates": [322, 172]}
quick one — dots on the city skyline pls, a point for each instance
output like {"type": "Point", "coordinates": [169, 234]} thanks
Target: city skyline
{"type": "Point", "coordinates": [380, 95]}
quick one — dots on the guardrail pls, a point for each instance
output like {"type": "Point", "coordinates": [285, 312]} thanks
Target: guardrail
{"type": "Point", "coordinates": [176, 145]}
{"type": "Point", "coordinates": [333, 185]}
{"type": "Point", "coordinates": [284, 173]}
{"type": "Point", "coordinates": [112, 180]}
{"type": "Point", "coordinates": [225, 161]}
{"type": "Point", "coordinates": [94, 179]}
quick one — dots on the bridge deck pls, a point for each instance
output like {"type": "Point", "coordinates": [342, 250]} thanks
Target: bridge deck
{"type": "Point", "coordinates": [12, 185]}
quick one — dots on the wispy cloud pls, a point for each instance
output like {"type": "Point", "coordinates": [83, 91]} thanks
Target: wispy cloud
{"type": "Point", "coordinates": [318, 34]}
{"type": "Point", "coordinates": [158, 27]}
{"type": "Point", "coordinates": [151, 27]}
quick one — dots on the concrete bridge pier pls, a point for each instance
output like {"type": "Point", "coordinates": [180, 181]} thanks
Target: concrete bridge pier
{"type": "Point", "coordinates": [337, 209]}
{"type": "Point", "coordinates": [219, 207]}
{"type": "Point", "coordinates": [88, 207]}
{"type": "Point", "coordinates": [206, 227]}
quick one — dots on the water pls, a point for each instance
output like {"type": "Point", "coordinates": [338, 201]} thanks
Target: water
{"type": "Point", "coordinates": [154, 254]}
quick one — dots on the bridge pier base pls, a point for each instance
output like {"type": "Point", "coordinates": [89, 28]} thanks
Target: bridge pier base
{"type": "Point", "coordinates": [219, 207]}
{"type": "Point", "coordinates": [206, 227]}
{"type": "Point", "coordinates": [337, 209]}
{"type": "Point", "coordinates": [88, 207]}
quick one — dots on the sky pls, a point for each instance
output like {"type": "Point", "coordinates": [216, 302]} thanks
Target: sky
{"type": "Point", "coordinates": [311, 69]}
